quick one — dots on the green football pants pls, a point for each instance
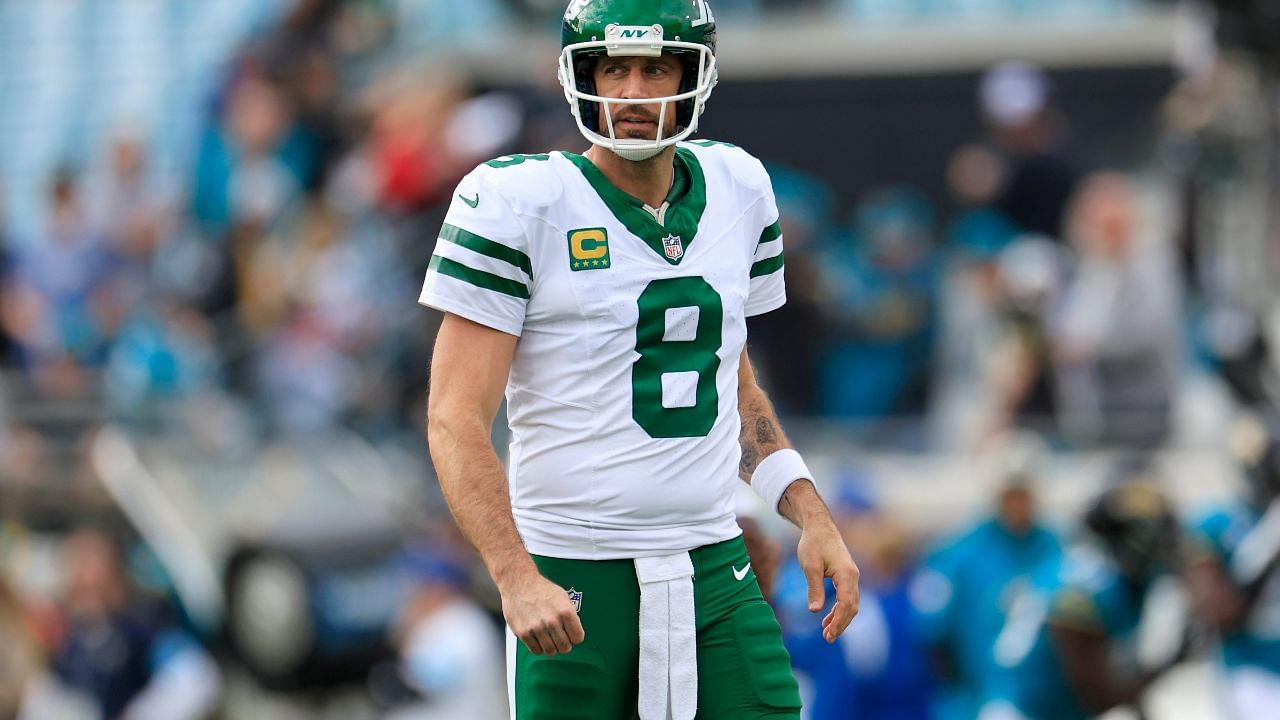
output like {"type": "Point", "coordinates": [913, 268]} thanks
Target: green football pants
{"type": "Point", "coordinates": [744, 672]}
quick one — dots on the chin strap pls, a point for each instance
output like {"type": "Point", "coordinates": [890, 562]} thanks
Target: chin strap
{"type": "Point", "coordinates": [637, 150]}
{"type": "Point", "coordinates": [635, 154]}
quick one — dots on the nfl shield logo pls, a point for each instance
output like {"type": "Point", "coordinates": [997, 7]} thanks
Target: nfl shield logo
{"type": "Point", "coordinates": [575, 597]}
{"type": "Point", "coordinates": [673, 246]}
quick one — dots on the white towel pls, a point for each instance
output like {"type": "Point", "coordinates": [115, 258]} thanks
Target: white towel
{"type": "Point", "coordinates": [668, 638]}
{"type": "Point", "coordinates": [1258, 548]}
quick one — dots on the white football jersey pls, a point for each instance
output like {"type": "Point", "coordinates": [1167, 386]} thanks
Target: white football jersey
{"type": "Point", "coordinates": [623, 394]}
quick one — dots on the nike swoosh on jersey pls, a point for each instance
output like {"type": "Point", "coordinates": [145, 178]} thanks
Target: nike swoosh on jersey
{"type": "Point", "coordinates": [740, 574]}
{"type": "Point", "coordinates": [469, 201]}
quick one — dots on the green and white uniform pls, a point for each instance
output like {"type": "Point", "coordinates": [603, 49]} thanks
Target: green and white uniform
{"type": "Point", "coordinates": [622, 397]}
{"type": "Point", "coordinates": [744, 672]}
{"type": "Point", "coordinates": [623, 390]}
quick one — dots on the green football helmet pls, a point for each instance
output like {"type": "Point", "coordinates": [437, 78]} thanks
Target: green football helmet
{"type": "Point", "coordinates": [638, 28]}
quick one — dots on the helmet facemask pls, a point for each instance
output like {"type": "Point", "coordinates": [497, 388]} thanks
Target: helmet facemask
{"type": "Point", "coordinates": [699, 77]}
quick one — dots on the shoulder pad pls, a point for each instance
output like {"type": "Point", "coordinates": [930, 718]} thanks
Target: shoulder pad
{"type": "Point", "coordinates": [526, 182]}
{"type": "Point", "coordinates": [731, 160]}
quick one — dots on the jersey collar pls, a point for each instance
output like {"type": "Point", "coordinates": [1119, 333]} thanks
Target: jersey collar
{"type": "Point", "coordinates": [686, 202]}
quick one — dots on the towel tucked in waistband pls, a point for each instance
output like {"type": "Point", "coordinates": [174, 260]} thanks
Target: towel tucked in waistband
{"type": "Point", "coordinates": [668, 638]}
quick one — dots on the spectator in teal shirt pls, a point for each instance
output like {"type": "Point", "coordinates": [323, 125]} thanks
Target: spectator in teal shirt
{"type": "Point", "coordinates": [966, 590]}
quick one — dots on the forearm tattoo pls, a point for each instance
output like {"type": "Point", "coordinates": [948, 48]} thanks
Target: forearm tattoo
{"type": "Point", "coordinates": [761, 434]}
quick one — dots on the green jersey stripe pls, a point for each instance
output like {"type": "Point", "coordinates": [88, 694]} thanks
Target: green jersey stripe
{"type": "Point", "coordinates": [771, 233]}
{"type": "Point", "coordinates": [479, 278]}
{"type": "Point", "coordinates": [485, 246]}
{"type": "Point", "coordinates": [767, 266]}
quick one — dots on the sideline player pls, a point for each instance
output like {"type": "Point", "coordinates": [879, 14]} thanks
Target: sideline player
{"type": "Point", "coordinates": [608, 292]}
{"type": "Point", "coordinates": [1233, 578]}
{"type": "Point", "coordinates": [1071, 644]}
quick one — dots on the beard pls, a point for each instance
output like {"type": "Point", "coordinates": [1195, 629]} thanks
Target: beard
{"type": "Point", "coordinates": [639, 122]}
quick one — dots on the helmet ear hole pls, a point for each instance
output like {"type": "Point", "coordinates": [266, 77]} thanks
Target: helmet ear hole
{"type": "Point", "coordinates": [584, 66]}
{"type": "Point", "coordinates": [688, 82]}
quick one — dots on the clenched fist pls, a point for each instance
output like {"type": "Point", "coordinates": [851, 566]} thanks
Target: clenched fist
{"type": "Point", "coordinates": [540, 613]}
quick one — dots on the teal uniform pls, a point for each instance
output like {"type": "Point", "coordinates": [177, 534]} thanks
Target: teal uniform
{"type": "Point", "coordinates": [1086, 592]}
{"type": "Point", "coordinates": [962, 599]}
{"type": "Point", "coordinates": [1257, 643]}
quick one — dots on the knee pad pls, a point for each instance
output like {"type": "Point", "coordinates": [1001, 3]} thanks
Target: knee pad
{"type": "Point", "coordinates": [768, 666]}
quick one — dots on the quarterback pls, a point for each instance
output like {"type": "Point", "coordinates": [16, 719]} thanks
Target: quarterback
{"type": "Point", "coordinates": [608, 294]}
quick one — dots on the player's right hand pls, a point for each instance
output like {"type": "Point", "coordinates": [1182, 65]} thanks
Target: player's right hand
{"type": "Point", "coordinates": [540, 613]}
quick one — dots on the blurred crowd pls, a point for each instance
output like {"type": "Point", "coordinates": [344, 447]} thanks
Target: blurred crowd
{"type": "Point", "coordinates": [108, 648]}
{"type": "Point", "coordinates": [1019, 616]}
{"type": "Point", "coordinates": [1013, 615]}
{"type": "Point", "coordinates": [265, 294]}
{"type": "Point", "coordinates": [1047, 297]}
{"type": "Point", "coordinates": [267, 282]}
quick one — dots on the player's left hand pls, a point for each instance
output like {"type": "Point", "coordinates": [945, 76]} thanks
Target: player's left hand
{"type": "Point", "coordinates": [822, 554]}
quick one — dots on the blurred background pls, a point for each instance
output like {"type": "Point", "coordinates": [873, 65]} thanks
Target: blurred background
{"type": "Point", "coordinates": [1032, 253]}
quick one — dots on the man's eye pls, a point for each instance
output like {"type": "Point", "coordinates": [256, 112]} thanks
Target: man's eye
{"type": "Point", "coordinates": [614, 70]}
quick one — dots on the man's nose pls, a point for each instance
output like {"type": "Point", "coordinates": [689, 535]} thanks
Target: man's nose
{"type": "Point", "coordinates": [634, 87]}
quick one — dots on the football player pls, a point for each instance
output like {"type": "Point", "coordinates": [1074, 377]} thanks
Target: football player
{"type": "Point", "coordinates": [1233, 579]}
{"type": "Point", "coordinates": [1071, 644]}
{"type": "Point", "coordinates": [608, 293]}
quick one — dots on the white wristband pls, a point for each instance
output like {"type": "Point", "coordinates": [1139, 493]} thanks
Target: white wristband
{"type": "Point", "coordinates": [776, 473]}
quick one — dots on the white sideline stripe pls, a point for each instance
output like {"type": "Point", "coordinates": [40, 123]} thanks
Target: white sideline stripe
{"type": "Point", "coordinates": [511, 671]}
{"type": "Point", "coordinates": [139, 495]}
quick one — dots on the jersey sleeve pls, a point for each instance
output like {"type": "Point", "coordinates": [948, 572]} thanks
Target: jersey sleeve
{"type": "Point", "coordinates": [768, 290]}
{"type": "Point", "coordinates": [481, 269]}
